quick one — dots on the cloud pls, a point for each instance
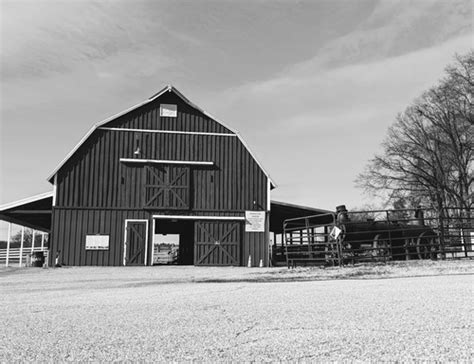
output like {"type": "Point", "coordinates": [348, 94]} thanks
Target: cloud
{"type": "Point", "coordinates": [326, 91]}
{"type": "Point", "coordinates": [49, 37]}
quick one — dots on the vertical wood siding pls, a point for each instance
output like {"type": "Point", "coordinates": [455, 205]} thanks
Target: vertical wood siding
{"type": "Point", "coordinates": [70, 227]}
{"type": "Point", "coordinates": [95, 177]}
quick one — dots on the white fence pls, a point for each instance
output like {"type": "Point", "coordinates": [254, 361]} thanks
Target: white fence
{"type": "Point", "coordinates": [20, 257]}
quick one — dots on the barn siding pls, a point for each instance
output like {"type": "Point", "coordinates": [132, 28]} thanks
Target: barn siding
{"type": "Point", "coordinates": [72, 225]}
{"type": "Point", "coordinates": [93, 177]}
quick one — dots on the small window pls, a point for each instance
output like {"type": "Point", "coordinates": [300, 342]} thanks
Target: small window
{"type": "Point", "coordinates": [169, 110]}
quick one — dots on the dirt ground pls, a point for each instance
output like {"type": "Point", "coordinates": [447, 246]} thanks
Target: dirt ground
{"type": "Point", "coordinates": [414, 311]}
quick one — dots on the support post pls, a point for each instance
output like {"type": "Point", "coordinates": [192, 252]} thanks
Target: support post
{"type": "Point", "coordinates": [9, 237]}
{"type": "Point", "coordinates": [42, 241]}
{"type": "Point", "coordinates": [21, 245]}
{"type": "Point", "coordinates": [33, 241]}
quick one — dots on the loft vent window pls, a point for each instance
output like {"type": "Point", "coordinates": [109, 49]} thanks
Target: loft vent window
{"type": "Point", "coordinates": [169, 110]}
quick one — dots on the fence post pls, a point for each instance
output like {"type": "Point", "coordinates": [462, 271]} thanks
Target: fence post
{"type": "Point", "coordinates": [389, 237]}
{"type": "Point", "coordinates": [21, 245]}
{"type": "Point", "coordinates": [407, 253]}
{"type": "Point", "coordinates": [441, 232]}
{"type": "Point", "coordinates": [9, 237]}
{"type": "Point", "coordinates": [33, 241]}
{"type": "Point", "coordinates": [42, 241]}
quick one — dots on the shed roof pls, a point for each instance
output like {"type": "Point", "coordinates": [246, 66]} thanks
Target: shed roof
{"type": "Point", "coordinates": [168, 88]}
{"type": "Point", "coordinates": [34, 212]}
{"type": "Point", "coordinates": [281, 211]}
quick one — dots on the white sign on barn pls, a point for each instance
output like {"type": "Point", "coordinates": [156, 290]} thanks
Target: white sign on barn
{"type": "Point", "coordinates": [255, 221]}
{"type": "Point", "coordinates": [97, 242]}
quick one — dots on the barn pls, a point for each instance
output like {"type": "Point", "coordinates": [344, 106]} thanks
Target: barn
{"type": "Point", "coordinates": [163, 170]}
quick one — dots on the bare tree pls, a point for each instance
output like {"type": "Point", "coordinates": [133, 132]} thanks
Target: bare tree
{"type": "Point", "coordinates": [428, 152]}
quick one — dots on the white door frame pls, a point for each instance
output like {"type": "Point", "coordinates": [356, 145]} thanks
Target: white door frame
{"type": "Point", "coordinates": [125, 239]}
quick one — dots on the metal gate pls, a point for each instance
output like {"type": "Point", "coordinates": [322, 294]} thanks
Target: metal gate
{"type": "Point", "coordinates": [379, 235]}
{"type": "Point", "coordinates": [308, 240]}
{"type": "Point", "coordinates": [217, 242]}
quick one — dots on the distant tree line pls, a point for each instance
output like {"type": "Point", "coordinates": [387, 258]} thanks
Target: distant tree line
{"type": "Point", "coordinates": [15, 240]}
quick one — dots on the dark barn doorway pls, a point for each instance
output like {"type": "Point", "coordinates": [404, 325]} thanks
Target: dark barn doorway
{"type": "Point", "coordinates": [178, 234]}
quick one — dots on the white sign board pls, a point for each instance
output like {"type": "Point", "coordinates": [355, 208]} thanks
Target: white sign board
{"type": "Point", "coordinates": [169, 110]}
{"type": "Point", "coordinates": [255, 221]}
{"type": "Point", "coordinates": [335, 232]}
{"type": "Point", "coordinates": [97, 242]}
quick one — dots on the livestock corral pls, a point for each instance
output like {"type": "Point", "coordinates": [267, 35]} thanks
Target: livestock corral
{"type": "Point", "coordinates": [376, 236]}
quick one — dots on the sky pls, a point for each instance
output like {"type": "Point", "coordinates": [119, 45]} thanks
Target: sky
{"type": "Point", "coordinates": [312, 86]}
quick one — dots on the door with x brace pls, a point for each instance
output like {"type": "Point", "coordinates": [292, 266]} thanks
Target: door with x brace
{"type": "Point", "coordinates": [167, 187]}
{"type": "Point", "coordinates": [217, 242]}
{"type": "Point", "coordinates": [135, 242]}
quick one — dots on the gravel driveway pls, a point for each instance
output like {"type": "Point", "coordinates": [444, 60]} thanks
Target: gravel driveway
{"type": "Point", "coordinates": [113, 314]}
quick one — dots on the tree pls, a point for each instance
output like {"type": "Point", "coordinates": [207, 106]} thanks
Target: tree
{"type": "Point", "coordinates": [428, 152]}
{"type": "Point", "coordinates": [15, 241]}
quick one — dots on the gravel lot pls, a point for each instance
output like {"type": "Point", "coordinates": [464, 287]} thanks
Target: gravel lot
{"type": "Point", "coordinates": [182, 314]}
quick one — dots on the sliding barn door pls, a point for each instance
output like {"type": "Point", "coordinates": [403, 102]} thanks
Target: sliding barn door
{"type": "Point", "coordinates": [217, 243]}
{"type": "Point", "coordinates": [167, 187]}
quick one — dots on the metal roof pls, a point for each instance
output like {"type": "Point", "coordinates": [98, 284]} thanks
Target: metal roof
{"type": "Point", "coordinates": [168, 88]}
{"type": "Point", "coordinates": [25, 201]}
{"type": "Point", "coordinates": [34, 212]}
{"type": "Point", "coordinates": [281, 211]}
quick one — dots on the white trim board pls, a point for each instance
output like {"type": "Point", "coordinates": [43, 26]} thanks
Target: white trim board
{"type": "Point", "coordinates": [168, 88]}
{"type": "Point", "coordinates": [166, 131]}
{"type": "Point", "coordinates": [189, 217]}
{"type": "Point", "coordinates": [163, 161]}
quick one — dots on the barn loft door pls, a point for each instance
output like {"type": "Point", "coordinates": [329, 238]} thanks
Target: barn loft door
{"type": "Point", "coordinates": [167, 187]}
{"type": "Point", "coordinates": [135, 242]}
{"type": "Point", "coordinates": [217, 243]}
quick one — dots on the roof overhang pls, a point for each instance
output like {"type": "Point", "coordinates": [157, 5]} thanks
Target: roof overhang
{"type": "Point", "coordinates": [281, 211]}
{"type": "Point", "coordinates": [33, 212]}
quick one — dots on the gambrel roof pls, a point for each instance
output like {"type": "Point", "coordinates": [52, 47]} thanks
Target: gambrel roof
{"type": "Point", "coordinates": [168, 88]}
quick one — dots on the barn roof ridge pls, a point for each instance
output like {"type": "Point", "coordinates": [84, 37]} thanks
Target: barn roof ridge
{"type": "Point", "coordinates": [167, 88]}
